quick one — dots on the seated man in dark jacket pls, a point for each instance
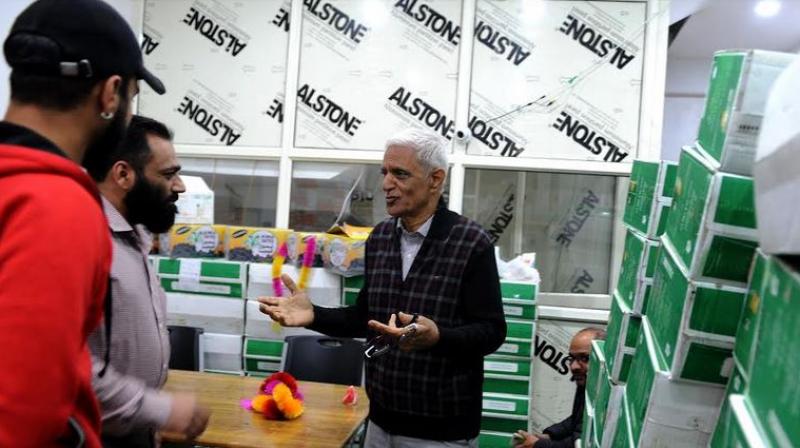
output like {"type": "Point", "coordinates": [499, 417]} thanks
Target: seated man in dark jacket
{"type": "Point", "coordinates": [564, 433]}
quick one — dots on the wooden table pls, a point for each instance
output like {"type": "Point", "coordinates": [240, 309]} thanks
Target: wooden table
{"type": "Point", "coordinates": [326, 422]}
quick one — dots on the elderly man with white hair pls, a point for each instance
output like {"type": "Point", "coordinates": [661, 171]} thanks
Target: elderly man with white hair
{"type": "Point", "coordinates": [430, 307]}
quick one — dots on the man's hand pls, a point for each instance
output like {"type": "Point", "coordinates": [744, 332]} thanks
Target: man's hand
{"type": "Point", "coordinates": [524, 440]}
{"type": "Point", "coordinates": [187, 417]}
{"type": "Point", "coordinates": [293, 311]}
{"type": "Point", "coordinates": [425, 336]}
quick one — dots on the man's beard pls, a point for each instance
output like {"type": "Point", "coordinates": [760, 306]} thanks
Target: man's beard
{"type": "Point", "coordinates": [108, 140]}
{"type": "Point", "coordinates": [150, 206]}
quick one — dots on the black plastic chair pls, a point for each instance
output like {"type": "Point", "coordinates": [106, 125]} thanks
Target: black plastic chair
{"type": "Point", "coordinates": [186, 348]}
{"type": "Point", "coordinates": [325, 359]}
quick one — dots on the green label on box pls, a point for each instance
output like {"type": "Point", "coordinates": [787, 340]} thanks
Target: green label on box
{"type": "Point", "coordinates": [263, 347]}
{"type": "Point", "coordinates": [519, 309]}
{"type": "Point", "coordinates": [622, 435]}
{"type": "Point", "coordinates": [634, 327]}
{"type": "Point", "coordinates": [493, 440]}
{"type": "Point", "coordinates": [509, 367]}
{"type": "Point", "coordinates": [233, 290]}
{"type": "Point", "coordinates": [728, 258]}
{"type": "Point", "coordinates": [613, 330]}
{"type": "Point", "coordinates": [517, 329]}
{"type": "Point", "coordinates": [520, 291]}
{"type": "Point", "coordinates": [670, 172]}
{"type": "Point", "coordinates": [725, 75]}
{"type": "Point", "coordinates": [747, 332]}
{"type": "Point", "coordinates": [356, 282]}
{"type": "Point", "coordinates": [665, 309]}
{"type": "Point", "coordinates": [499, 424]}
{"type": "Point", "coordinates": [497, 385]}
{"type": "Point", "coordinates": [632, 264]}
{"type": "Point", "coordinates": [716, 311]}
{"type": "Point", "coordinates": [515, 347]}
{"type": "Point", "coordinates": [646, 363]}
{"type": "Point", "coordinates": [641, 195]}
{"type": "Point", "coordinates": [601, 402]}
{"type": "Point", "coordinates": [350, 298]}
{"type": "Point", "coordinates": [736, 203]}
{"type": "Point", "coordinates": [172, 266]}
{"type": "Point", "coordinates": [773, 383]}
{"type": "Point", "coordinates": [663, 218]}
{"type": "Point", "coordinates": [625, 368]}
{"type": "Point", "coordinates": [692, 187]}
{"type": "Point", "coordinates": [596, 367]}
{"type": "Point", "coordinates": [707, 364]}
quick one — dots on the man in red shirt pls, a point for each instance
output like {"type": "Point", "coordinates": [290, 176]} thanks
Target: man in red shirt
{"type": "Point", "coordinates": [75, 65]}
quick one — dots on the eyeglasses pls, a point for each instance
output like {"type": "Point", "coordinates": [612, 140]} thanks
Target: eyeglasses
{"type": "Point", "coordinates": [381, 344]}
{"type": "Point", "coordinates": [580, 357]}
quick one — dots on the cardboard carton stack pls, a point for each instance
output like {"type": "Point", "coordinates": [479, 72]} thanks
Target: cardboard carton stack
{"type": "Point", "coordinates": [508, 373]}
{"type": "Point", "coordinates": [760, 408]}
{"type": "Point", "coordinates": [690, 286]}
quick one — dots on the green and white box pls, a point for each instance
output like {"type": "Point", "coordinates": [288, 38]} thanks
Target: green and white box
{"type": "Point", "coordinates": [212, 314]}
{"type": "Point", "coordinates": [602, 403]}
{"type": "Point", "coordinates": [694, 323]}
{"type": "Point", "coordinates": [505, 413]}
{"type": "Point", "coordinates": [222, 353]}
{"type": "Point", "coordinates": [324, 287]}
{"type": "Point", "coordinates": [519, 339]}
{"type": "Point", "coordinates": [737, 385]}
{"type": "Point", "coordinates": [262, 356]}
{"type": "Point", "coordinates": [735, 106]}
{"type": "Point", "coordinates": [712, 225]}
{"type": "Point", "coordinates": [747, 335]}
{"type": "Point", "coordinates": [614, 413]}
{"type": "Point", "coordinates": [597, 368]}
{"type": "Point", "coordinates": [622, 335]}
{"type": "Point", "coordinates": [588, 423]}
{"type": "Point", "coordinates": [773, 390]}
{"type": "Point", "coordinates": [493, 439]}
{"type": "Point", "coordinates": [622, 434]}
{"type": "Point", "coordinates": [741, 426]}
{"type": "Point", "coordinates": [205, 277]}
{"type": "Point", "coordinates": [666, 412]}
{"type": "Point", "coordinates": [516, 290]}
{"type": "Point", "coordinates": [636, 272]}
{"type": "Point", "coordinates": [649, 196]}
{"type": "Point", "coordinates": [259, 325]}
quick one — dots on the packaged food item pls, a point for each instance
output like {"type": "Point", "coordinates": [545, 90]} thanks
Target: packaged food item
{"type": "Point", "coordinates": [255, 244]}
{"type": "Point", "coordinates": [193, 241]}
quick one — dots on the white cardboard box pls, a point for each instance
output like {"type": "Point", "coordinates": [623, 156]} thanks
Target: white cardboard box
{"type": "Point", "coordinates": [196, 204]}
{"type": "Point", "coordinates": [777, 168]}
{"type": "Point", "coordinates": [222, 353]}
{"type": "Point", "coordinates": [213, 314]}
{"type": "Point", "coordinates": [324, 288]}
{"type": "Point", "coordinates": [665, 412]}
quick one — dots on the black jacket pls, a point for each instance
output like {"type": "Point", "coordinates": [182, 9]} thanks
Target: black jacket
{"type": "Point", "coordinates": [564, 433]}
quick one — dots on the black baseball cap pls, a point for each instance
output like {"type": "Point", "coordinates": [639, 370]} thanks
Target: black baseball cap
{"type": "Point", "coordinates": [75, 38]}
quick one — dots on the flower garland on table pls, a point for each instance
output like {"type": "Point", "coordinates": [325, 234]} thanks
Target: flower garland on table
{"type": "Point", "coordinates": [278, 398]}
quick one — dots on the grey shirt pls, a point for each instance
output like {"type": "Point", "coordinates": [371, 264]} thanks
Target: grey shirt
{"type": "Point", "coordinates": [410, 242]}
{"type": "Point", "coordinates": [130, 401]}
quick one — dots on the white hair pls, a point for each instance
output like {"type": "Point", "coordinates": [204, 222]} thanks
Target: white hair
{"type": "Point", "coordinates": [429, 147]}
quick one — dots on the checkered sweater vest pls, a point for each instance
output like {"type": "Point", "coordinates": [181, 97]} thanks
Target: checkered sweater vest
{"type": "Point", "coordinates": [420, 382]}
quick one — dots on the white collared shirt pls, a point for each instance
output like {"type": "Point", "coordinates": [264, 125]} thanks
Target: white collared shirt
{"type": "Point", "coordinates": [410, 243]}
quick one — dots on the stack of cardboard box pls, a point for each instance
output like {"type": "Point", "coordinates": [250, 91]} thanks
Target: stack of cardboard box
{"type": "Point", "coordinates": [690, 286]}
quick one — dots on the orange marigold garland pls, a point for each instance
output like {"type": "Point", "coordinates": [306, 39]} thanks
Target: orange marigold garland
{"type": "Point", "coordinates": [278, 398]}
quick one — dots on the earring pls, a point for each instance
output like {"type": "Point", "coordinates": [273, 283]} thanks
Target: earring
{"type": "Point", "coordinates": [106, 115]}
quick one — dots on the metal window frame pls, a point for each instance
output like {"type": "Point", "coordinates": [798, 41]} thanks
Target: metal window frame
{"type": "Point", "coordinates": [650, 127]}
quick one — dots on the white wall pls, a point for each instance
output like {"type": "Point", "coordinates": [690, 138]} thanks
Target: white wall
{"type": "Point", "coordinates": [10, 9]}
{"type": "Point", "coordinates": [686, 84]}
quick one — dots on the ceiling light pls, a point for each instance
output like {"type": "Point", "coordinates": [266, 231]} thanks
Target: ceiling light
{"type": "Point", "coordinates": [767, 8]}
